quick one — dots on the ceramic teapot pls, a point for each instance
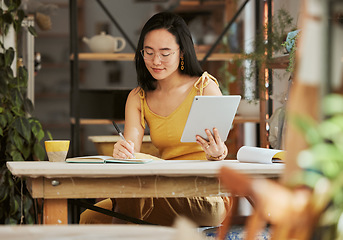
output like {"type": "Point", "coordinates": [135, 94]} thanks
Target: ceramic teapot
{"type": "Point", "coordinates": [104, 43]}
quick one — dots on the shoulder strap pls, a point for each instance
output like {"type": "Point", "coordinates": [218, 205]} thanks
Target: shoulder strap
{"type": "Point", "coordinates": [142, 96]}
{"type": "Point", "coordinates": [203, 81]}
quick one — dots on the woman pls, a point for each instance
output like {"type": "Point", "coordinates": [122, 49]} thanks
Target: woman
{"type": "Point", "coordinates": [169, 76]}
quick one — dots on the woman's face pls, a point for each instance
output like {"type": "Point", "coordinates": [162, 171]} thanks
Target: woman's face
{"type": "Point", "coordinates": [161, 54]}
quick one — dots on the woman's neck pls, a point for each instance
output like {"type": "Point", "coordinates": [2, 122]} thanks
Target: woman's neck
{"type": "Point", "coordinates": [174, 81]}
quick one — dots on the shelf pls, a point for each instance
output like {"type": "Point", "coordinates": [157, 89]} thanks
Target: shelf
{"type": "Point", "coordinates": [56, 36]}
{"type": "Point", "coordinates": [55, 125]}
{"type": "Point", "coordinates": [59, 4]}
{"type": "Point", "coordinates": [61, 65]}
{"type": "Point", "coordinates": [241, 119]}
{"type": "Point", "coordinates": [219, 56]}
{"type": "Point", "coordinates": [198, 6]}
{"type": "Point", "coordinates": [130, 56]}
{"type": "Point", "coordinates": [105, 56]}
{"type": "Point", "coordinates": [113, 138]}
{"type": "Point", "coordinates": [281, 62]}
{"type": "Point", "coordinates": [54, 66]}
{"type": "Point", "coordinates": [52, 96]}
{"type": "Point", "coordinates": [87, 121]}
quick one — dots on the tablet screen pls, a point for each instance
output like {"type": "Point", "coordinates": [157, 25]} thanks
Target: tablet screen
{"type": "Point", "coordinates": [208, 112]}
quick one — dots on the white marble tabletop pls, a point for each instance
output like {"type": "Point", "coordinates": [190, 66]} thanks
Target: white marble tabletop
{"type": "Point", "coordinates": [159, 167]}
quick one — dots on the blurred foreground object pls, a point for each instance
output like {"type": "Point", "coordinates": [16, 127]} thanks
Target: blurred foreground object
{"type": "Point", "coordinates": [290, 213]}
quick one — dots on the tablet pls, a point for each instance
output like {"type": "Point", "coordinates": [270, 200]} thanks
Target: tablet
{"type": "Point", "coordinates": [208, 112]}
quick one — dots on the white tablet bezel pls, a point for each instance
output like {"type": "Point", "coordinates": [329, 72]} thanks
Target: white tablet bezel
{"type": "Point", "coordinates": [208, 112]}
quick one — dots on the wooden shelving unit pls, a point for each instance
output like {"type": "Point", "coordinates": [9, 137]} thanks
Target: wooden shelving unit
{"type": "Point", "coordinates": [88, 121]}
{"type": "Point", "coordinates": [200, 6]}
{"type": "Point", "coordinates": [130, 56]}
{"type": "Point", "coordinates": [193, 7]}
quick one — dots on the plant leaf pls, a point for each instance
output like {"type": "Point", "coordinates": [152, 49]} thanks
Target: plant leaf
{"type": "Point", "coordinates": [333, 104]}
{"type": "Point", "coordinates": [8, 18]}
{"type": "Point", "coordinates": [3, 192]}
{"type": "Point", "coordinates": [29, 219]}
{"type": "Point", "coordinates": [49, 135]}
{"type": "Point", "coordinates": [9, 56]}
{"type": "Point", "coordinates": [17, 3]}
{"type": "Point", "coordinates": [26, 152]}
{"type": "Point", "coordinates": [28, 106]}
{"type": "Point", "coordinates": [16, 100]}
{"type": "Point", "coordinates": [9, 74]}
{"type": "Point", "coordinates": [39, 151]}
{"type": "Point", "coordinates": [8, 3]}
{"type": "Point", "coordinates": [8, 116]}
{"type": "Point", "coordinates": [14, 205]}
{"type": "Point", "coordinates": [3, 120]}
{"type": "Point", "coordinates": [18, 142]}
{"type": "Point", "coordinates": [27, 205]}
{"type": "Point", "coordinates": [3, 84]}
{"type": "Point", "coordinates": [32, 30]}
{"type": "Point", "coordinates": [11, 221]}
{"type": "Point", "coordinates": [16, 156]}
{"type": "Point", "coordinates": [23, 127]}
{"type": "Point", "coordinates": [10, 181]}
{"type": "Point", "coordinates": [36, 129]}
{"type": "Point", "coordinates": [23, 77]}
{"type": "Point", "coordinates": [2, 60]}
{"type": "Point", "coordinates": [20, 14]}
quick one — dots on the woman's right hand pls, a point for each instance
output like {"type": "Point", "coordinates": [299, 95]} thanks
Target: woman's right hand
{"type": "Point", "coordinates": [123, 149]}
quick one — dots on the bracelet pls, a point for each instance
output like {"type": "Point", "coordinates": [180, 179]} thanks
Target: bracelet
{"type": "Point", "coordinates": [220, 157]}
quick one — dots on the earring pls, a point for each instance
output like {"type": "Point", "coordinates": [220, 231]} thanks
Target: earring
{"type": "Point", "coordinates": [182, 64]}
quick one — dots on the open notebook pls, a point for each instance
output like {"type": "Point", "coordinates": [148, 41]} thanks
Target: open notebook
{"type": "Point", "coordinates": [140, 158]}
{"type": "Point", "coordinates": [260, 155]}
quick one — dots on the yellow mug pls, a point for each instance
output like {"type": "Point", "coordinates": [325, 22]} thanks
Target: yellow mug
{"type": "Point", "coordinates": [57, 150]}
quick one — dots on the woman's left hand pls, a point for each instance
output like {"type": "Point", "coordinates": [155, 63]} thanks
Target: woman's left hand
{"type": "Point", "coordinates": [214, 148]}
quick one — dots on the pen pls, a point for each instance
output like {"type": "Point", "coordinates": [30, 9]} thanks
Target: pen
{"type": "Point", "coordinates": [120, 133]}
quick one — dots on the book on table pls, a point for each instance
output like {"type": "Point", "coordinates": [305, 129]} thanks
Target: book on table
{"type": "Point", "coordinates": [249, 154]}
{"type": "Point", "coordinates": [140, 158]}
{"type": "Point", "coordinates": [105, 159]}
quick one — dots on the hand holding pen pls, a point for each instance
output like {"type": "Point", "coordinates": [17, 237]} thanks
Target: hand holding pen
{"type": "Point", "coordinates": [121, 134]}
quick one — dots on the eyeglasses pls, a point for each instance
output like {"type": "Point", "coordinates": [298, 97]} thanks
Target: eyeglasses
{"type": "Point", "coordinates": [164, 55]}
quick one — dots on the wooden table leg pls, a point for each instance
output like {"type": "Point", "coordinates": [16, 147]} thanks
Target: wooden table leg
{"type": "Point", "coordinates": [55, 211]}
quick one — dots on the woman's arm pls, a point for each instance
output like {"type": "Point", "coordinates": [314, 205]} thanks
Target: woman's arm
{"type": "Point", "coordinates": [133, 131]}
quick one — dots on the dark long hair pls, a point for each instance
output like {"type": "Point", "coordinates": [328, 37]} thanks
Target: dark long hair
{"type": "Point", "coordinates": [178, 27]}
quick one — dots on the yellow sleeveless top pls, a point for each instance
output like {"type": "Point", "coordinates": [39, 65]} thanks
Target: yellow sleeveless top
{"type": "Point", "coordinates": [166, 132]}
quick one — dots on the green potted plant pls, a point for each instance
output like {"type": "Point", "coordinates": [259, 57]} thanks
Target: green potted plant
{"type": "Point", "coordinates": [291, 46]}
{"type": "Point", "coordinates": [20, 134]}
{"type": "Point", "coordinates": [321, 166]}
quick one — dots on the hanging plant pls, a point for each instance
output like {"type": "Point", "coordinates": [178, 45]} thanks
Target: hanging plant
{"type": "Point", "coordinates": [20, 134]}
{"type": "Point", "coordinates": [291, 46]}
{"type": "Point", "coordinates": [281, 24]}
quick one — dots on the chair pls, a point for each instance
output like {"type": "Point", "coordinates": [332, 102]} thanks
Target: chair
{"type": "Point", "coordinates": [290, 213]}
